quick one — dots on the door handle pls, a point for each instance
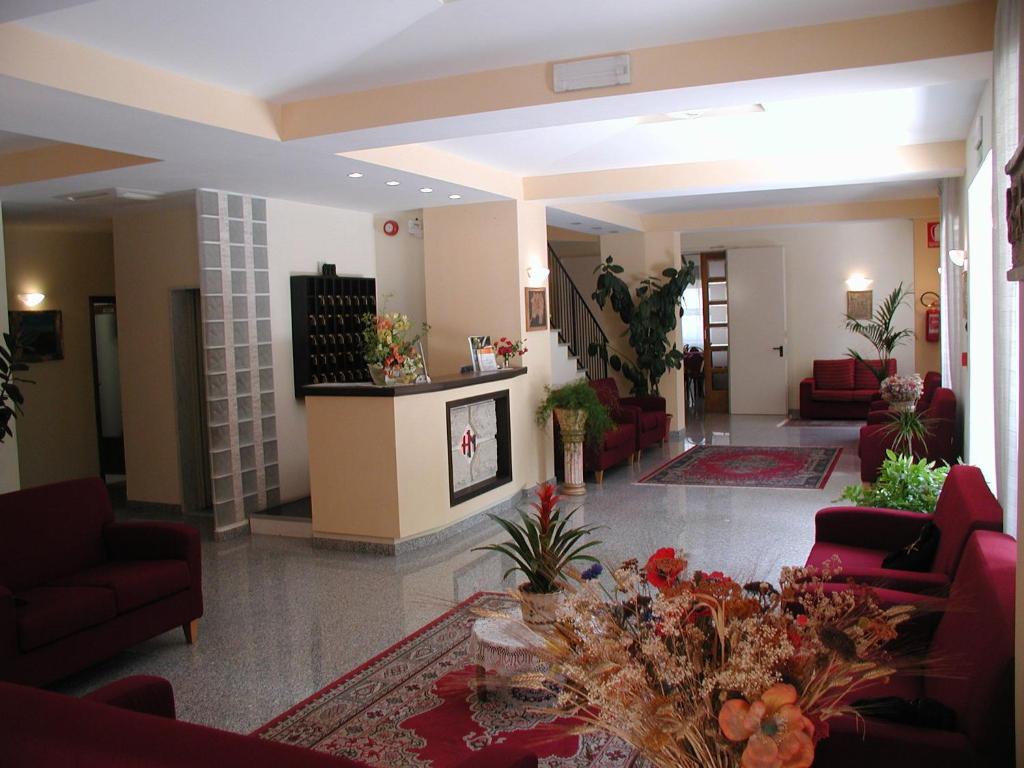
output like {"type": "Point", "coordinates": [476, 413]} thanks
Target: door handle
{"type": "Point", "coordinates": [778, 349]}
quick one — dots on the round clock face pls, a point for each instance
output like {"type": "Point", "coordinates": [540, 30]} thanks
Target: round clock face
{"type": "Point", "coordinates": [390, 227]}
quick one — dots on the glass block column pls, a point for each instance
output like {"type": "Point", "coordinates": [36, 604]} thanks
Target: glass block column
{"type": "Point", "coordinates": [235, 290]}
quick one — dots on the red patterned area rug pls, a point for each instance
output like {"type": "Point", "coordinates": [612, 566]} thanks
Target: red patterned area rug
{"type": "Point", "coordinates": [414, 706]}
{"type": "Point", "coordinates": [746, 467]}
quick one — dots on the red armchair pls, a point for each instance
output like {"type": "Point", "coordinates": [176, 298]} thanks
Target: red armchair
{"type": "Point", "coordinates": [77, 587]}
{"type": "Point", "coordinates": [879, 411]}
{"type": "Point", "coordinates": [841, 389]}
{"type": "Point", "coordinates": [652, 420]}
{"type": "Point", "coordinates": [975, 638]}
{"type": "Point", "coordinates": [862, 536]}
{"type": "Point", "coordinates": [619, 444]}
{"type": "Point", "coordinates": [131, 723]}
{"type": "Point", "coordinates": [876, 438]}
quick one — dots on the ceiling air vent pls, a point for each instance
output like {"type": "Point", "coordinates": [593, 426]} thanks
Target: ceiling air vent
{"type": "Point", "coordinates": [113, 194]}
{"type": "Point", "coordinates": [592, 73]}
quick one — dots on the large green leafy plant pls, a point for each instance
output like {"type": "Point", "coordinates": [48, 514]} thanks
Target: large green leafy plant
{"type": "Point", "coordinates": [880, 332]}
{"type": "Point", "coordinates": [903, 483]}
{"type": "Point", "coordinates": [577, 396]}
{"type": "Point", "coordinates": [11, 398]}
{"type": "Point", "coordinates": [650, 312]}
{"type": "Point", "coordinates": [542, 543]}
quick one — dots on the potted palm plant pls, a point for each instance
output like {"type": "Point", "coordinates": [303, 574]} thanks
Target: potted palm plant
{"type": "Point", "coordinates": [542, 546]}
{"type": "Point", "coordinates": [580, 415]}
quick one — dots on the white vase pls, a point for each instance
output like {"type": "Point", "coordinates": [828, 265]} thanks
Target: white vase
{"type": "Point", "coordinates": [573, 426]}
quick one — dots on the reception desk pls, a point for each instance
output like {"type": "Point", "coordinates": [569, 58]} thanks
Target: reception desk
{"type": "Point", "coordinates": [394, 468]}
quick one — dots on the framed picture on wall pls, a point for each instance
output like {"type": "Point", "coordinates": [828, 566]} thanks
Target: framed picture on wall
{"type": "Point", "coordinates": [536, 309]}
{"type": "Point", "coordinates": [859, 304]}
{"type": "Point", "coordinates": [42, 333]}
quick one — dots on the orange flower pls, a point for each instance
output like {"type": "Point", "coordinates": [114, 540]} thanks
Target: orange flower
{"type": "Point", "coordinates": [776, 731]}
{"type": "Point", "coordinates": [663, 568]}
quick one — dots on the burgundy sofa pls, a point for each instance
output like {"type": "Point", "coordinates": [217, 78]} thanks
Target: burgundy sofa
{"type": "Point", "coordinates": [841, 389]}
{"type": "Point", "coordinates": [130, 724]}
{"type": "Point", "coordinates": [877, 437]}
{"type": "Point", "coordinates": [974, 641]}
{"type": "Point", "coordinates": [77, 587]}
{"type": "Point", "coordinates": [862, 536]}
{"type": "Point", "coordinates": [879, 412]}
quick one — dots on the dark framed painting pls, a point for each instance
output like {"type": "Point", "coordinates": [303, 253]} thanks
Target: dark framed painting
{"type": "Point", "coordinates": [42, 334]}
{"type": "Point", "coordinates": [536, 309]}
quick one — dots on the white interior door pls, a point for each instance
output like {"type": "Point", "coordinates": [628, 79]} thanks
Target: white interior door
{"type": "Point", "coordinates": [757, 331]}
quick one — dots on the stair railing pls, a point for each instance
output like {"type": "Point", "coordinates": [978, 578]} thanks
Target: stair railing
{"type": "Point", "coordinates": [571, 316]}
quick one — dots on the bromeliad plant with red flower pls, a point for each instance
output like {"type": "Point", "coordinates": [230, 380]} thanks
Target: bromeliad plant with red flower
{"type": "Point", "coordinates": [702, 671]}
{"type": "Point", "coordinates": [542, 542]}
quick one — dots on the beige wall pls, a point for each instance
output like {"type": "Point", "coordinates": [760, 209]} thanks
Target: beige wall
{"type": "Point", "coordinates": [155, 251]}
{"type": "Point", "coordinates": [299, 238]}
{"type": "Point", "coordinates": [9, 479]}
{"type": "Point", "coordinates": [927, 354]}
{"type": "Point", "coordinates": [819, 259]}
{"type": "Point", "coordinates": [399, 261]}
{"type": "Point", "coordinates": [57, 433]}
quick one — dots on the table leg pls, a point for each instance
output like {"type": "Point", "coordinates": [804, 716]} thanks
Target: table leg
{"type": "Point", "coordinates": [481, 683]}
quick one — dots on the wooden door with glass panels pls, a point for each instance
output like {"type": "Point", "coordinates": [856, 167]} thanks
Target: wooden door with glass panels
{"type": "Point", "coordinates": [715, 292]}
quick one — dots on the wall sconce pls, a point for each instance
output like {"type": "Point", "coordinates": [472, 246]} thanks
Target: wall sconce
{"type": "Point", "coordinates": [958, 257]}
{"type": "Point", "coordinates": [537, 275]}
{"type": "Point", "coordinates": [859, 283]}
{"type": "Point", "coordinates": [31, 299]}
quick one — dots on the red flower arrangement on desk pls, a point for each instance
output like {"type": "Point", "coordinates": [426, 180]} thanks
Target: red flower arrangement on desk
{"type": "Point", "coordinates": [508, 349]}
{"type": "Point", "coordinates": [703, 671]}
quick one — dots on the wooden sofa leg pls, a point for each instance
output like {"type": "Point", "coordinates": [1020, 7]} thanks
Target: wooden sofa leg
{"type": "Point", "coordinates": [599, 475]}
{"type": "Point", "coordinates": [191, 631]}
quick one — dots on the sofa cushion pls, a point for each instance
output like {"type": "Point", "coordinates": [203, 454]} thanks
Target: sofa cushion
{"type": "Point", "coordinates": [864, 377]}
{"type": "Point", "coordinates": [46, 614]}
{"type": "Point", "coordinates": [833, 395]}
{"type": "Point", "coordinates": [651, 421]}
{"type": "Point", "coordinates": [52, 531]}
{"type": "Point", "coordinates": [864, 395]}
{"type": "Point", "coordinates": [833, 374]}
{"type": "Point", "coordinates": [133, 582]}
{"type": "Point", "coordinates": [621, 435]}
{"type": "Point", "coordinates": [851, 557]}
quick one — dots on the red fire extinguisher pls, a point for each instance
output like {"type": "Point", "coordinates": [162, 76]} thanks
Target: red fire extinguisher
{"type": "Point", "coordinates": [932, 316]}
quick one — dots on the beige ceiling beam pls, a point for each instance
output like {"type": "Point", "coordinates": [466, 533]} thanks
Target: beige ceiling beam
{"type": "Point", "coordinates": [55, 161]}
{"type": "Point", "coordinates": [609, 213]}
{"type": "Point", "coordinates": [57, 63]}
{"type": "Point", "coordinates": [934, 33]}
{"type": "Point", "coordinates": [840, 166]}
{"type": "Point", "coordinates": [740, 218]}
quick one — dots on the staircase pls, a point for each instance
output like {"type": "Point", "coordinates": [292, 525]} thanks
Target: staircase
{"type": "Point", "coordinates": [574, 323]}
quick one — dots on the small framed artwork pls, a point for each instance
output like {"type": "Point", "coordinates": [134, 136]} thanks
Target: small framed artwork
{"type": "Point", "coordinates": [42, 333]}
{"type": "Point", "coordinates": [536, 309]}
{"type": "Point", "coordinates": [475, 344]}
{"type": "Point", "coordinates": [859, 304]}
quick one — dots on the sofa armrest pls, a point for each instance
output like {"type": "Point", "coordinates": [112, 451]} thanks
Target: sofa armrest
{"type": "Point", "coordinates": [139, 693]}
{"type": "Point", "coordinates": [868, 527]}
{"type": "Point", "coordinates": [891, 581]}
{"type": "Point", "coordinates": [645, 402]}
{"type": "Point", "coordinates": [500, 757]}
{"type": "Point", "coordinates": [8, 630]}
{"type": "Point", "coordinates": [159, 541]}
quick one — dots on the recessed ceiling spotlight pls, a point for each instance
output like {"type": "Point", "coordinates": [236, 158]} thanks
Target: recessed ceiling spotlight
{"type": "Point", "coordinates": [426, 189]}
{"type": "Point", "coordinates": [454, 197]}
{"type": "Point", "coordinates": [392, 183]}
{"type": "Point", "coordinates": [355, 175]}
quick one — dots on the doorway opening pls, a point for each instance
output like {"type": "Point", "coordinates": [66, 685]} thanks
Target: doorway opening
{"type": "Point", "coordinates": [190, 395]}
{"type": "Point", "coordinates": [106, 383]}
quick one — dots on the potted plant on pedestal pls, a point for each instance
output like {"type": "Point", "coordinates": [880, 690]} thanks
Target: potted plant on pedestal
{"type": "Point", "coordinates": [542, 546]}
{"type": "Point", "coordinates": [580, 415]}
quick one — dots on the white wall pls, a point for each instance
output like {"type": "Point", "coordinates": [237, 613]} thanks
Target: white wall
{"type": "Point", "coordinates": [9, 449]}
{"type": "Point", "coordinates": [401, 285]}
{"type": "Point", "coordinates": [299, 238]}
{"type": "Point", "coordinates": [819, 259]}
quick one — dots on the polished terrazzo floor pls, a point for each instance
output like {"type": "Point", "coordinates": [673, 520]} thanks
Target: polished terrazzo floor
{"type": "Point", "coordinates": [283, 619]}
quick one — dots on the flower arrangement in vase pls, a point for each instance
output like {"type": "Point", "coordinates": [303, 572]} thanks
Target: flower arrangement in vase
{"type": "Point", "coordinates": [902, 392]}
{"type": "Point", "coordinates": [542, 545]}
{"type": "Point", "coordinates": [508, 349]}
{"type": "Point", "coordinates": [705, 672]}
{"type": "Point", "coordinates": [392, 355]}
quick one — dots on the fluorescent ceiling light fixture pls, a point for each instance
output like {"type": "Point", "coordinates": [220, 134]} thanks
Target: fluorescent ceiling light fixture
{"type": "Point", "coordinates": [859, 283]}
{"type": "Point", "coordinates": [694, 114]}
{"type": "Point", "coordinates": [392, 183]}
{"type": "Point", "coordinates": [454, 197]}
{"type": "Point", "coordinates": [355, 175]}
{"type": "Point", "coordinates": [426, 189]}
{"type": "Point", "coordinates": [31, 299]}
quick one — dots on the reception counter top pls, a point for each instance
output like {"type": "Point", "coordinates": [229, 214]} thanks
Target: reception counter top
{"type": "Point", "coordinates": [436, 384]}
{"type": "Point", "coordinates": [392, 468]}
